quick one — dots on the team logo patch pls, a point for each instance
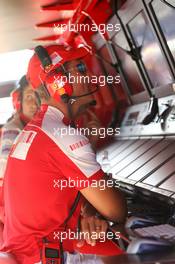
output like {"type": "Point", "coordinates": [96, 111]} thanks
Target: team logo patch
{"type": "Point", "coordinates": [79, 144]}
{"type": "Point", "coordinates": [22, 145]}
{"type": "Point", "coordinates": [56, 58]}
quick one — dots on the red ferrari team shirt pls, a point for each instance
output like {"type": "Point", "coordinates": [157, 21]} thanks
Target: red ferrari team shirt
{"type": "Point", "coordinates": [48, 164]}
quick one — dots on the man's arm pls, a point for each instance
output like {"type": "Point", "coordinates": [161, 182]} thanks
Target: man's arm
{"type": "Point", "coordinates": [79, 164]}
{"type": "Point", "coordinates": [109, 202]}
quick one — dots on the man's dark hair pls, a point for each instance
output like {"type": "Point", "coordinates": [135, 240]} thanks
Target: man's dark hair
{"type": "Point", "coordinates": [22, 84]}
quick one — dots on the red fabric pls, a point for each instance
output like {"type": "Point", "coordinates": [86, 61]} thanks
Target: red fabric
{"type": "Point", "coordinates": [107, 248]}
{"type": "Point", "coordinates": [34, 208]}
{"type": "Point", "coordinates": [1, 202]}
{"type": "Point", "coordinates": [15, 99]}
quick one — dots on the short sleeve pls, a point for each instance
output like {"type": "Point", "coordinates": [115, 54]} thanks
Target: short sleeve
{"type": "Point", "coordinates": [76, 159]}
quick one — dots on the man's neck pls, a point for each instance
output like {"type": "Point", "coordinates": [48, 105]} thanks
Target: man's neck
{"type": "Point", "coordinates": [58, 105]}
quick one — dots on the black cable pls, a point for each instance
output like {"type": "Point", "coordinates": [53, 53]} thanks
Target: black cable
{"type": "Point", "coordinates": [73, 208]}
{"type": "Point", "coordinates": [167, 3]}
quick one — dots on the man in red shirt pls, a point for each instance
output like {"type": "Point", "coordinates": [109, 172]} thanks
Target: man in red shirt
{"type": "Point", "coordinates": [51, 162]}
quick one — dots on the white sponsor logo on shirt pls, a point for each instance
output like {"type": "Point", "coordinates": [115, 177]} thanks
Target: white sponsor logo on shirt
{"type": "Point", "coordinates": [22, 146]}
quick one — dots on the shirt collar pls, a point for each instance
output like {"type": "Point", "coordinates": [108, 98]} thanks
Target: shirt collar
{"type": "Point", "coordinates": [56, 113]}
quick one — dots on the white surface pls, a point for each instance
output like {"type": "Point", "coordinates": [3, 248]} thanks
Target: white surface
{"type": "Point", "coordinates": [6, 109]}
{"type": "Point", "coordinates": [18, 19]}
{"type": "Point", "coordinates": [13, 65]}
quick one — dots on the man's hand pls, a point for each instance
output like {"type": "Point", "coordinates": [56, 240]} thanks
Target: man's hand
{"type": "Point", "coordinates": [87, 209]}
{"type": "Point", "coordinates": [92, 228]}
{"type": "Point", "coordinates": [95, 123]}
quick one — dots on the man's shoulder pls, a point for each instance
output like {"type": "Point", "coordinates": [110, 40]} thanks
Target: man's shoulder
{"type": "Point", "coordinates": [51, 123]}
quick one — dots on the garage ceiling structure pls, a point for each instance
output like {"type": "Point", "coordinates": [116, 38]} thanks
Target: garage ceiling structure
{"type": "Point", "coordinates": [27, 23]}
{"type": "Point", "coordinates": [18, 19]}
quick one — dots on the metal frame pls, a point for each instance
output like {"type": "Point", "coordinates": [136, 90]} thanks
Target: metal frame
{"type": "Point", "coordinates": [168, 2]}
{"type": "Point", "coordinates": [99, 43]}
{"type": "Point", "coordinates": [135, 8]}
{"type": "Point", "coordinates": [134, 99]}
{"type": "Point", "coordinates": [124, 16]}
{"type": "Point", "coordinates": [159, 33]}
{"type": "Point", "coordinates": [168, 89]}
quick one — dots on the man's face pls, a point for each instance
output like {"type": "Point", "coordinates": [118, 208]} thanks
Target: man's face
{"type": "Point", "coordinates": [29, 102]}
